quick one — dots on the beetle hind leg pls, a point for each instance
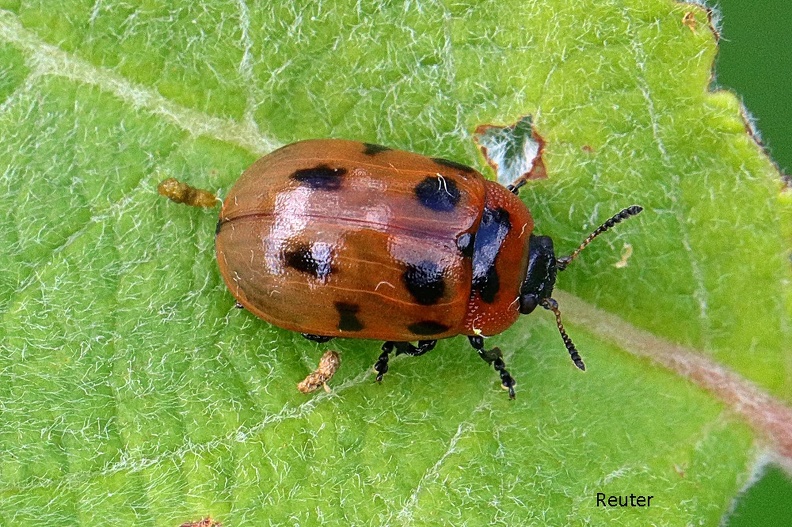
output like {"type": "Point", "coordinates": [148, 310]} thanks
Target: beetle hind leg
{"type": "Point", "coordinates": [495, 358]}
{"type": "Point", "coordinates": [414, 351]}
{"type": "Point", "coordinates": [406, 348]}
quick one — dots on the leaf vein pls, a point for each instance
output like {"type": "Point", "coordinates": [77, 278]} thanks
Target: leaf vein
{"type": "Point", "coordinates": [47, 59]}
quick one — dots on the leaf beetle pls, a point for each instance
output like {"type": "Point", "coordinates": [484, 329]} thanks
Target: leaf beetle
{"type": "Point", "coordinates": [337, 238]}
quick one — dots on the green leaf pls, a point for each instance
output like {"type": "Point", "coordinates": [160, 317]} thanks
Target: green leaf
{"type": "Point", "coordinates": [132, 391]}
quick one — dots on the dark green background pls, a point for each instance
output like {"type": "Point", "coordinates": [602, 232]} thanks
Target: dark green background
{"type": "Point", "coordinates": [755, 61]}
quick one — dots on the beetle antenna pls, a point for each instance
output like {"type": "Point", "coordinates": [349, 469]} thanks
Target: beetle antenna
{"type": "Point", "coordinates": [617, 218]}
{"type": "Point", "coordinates": [552, 305]}
{"type": "Point", "coordinates": [514, 188]}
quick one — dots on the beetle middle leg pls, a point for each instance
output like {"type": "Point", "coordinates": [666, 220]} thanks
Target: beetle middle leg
{"type": "Point", "coordinates": [316, 338]}
{"type": "Point", "coordinates": [406, 348]}
{"type": "Point", "coordinates": [494, 357]}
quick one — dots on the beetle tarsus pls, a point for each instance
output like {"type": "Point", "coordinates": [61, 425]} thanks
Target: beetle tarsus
{"type": "Point", "coordinates": [495, 358]}
{"type": "Point", "coordinates": [406, 348]}
{"type": "Point", "coordinates": [381, 366]}
{"type": "Point", "coordinates": [402, 348]}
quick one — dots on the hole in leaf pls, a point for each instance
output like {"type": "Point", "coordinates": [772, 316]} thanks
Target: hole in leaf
{"type": "Point", "coordinates": [514, 152]}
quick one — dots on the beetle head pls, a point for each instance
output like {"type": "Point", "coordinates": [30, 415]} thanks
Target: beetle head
{"type": "Point", "coordinates": [543, 266]}
{"type": "Point", "coordinates": [541, 274]}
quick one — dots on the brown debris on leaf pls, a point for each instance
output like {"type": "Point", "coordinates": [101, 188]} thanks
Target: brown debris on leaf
{"type": "Point", "coordinates": [203, 522]}
{"type": "Point", "coordinates": [627, 251]}
{"type": "Point", "coordinates": [175, 190]}
{"type": "Point", "coordinates": [690, 20]}
{"type": "Point", "coordinates": [514, 152]}
{"type": "Point", "coordinates": [328, 365]}
{"type": "Point", "coordinates": [786, 183]}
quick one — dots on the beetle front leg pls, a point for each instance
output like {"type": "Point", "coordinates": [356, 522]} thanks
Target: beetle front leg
{"type": "Point", "coordinates": [494, 357]}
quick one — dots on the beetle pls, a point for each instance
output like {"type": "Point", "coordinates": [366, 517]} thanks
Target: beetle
{"type": "Point", "coordinates": [337, 238]}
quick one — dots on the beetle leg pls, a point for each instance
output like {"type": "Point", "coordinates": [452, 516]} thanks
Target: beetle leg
{"type": "Point", "coordinates": [406, 348]}
{"type": "Point", "coordinates": [514, 188]}
{"type": "Point", "coordinates": [477, 341]}
{"type": "Point", "coordinates": [316, 338]}
{"type": "Point", "coordinates": [381, 366]}
{"type": "Point", "coordinates": [494, 357]}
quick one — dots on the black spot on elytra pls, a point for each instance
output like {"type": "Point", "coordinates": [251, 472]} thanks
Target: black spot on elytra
{"type": "Point", "coordinates": [492, 231]}
{"type": "Point", "coordinates": [374, 149]}
{"type": "Point", "coordinates": [452, 164]}
{"type": "Point", "coordinates": [313, 259]}
{"type": "Point", "coordinates": [425, 282]}
{"type": "Point", "coordinates": [465, 243]}
{"type": "Point", "coordinates": [427, 327]}
{"type": "Point", "coordinates": [438, 193]}
{"type": "Point", "coordinates": [348, 320]}
{"type": "Point", "coordinates": [488, 285]}
{"type": "Point", "coordinates": [320, 177]}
